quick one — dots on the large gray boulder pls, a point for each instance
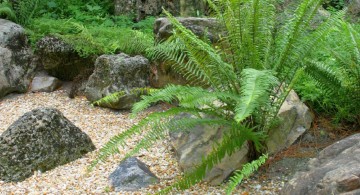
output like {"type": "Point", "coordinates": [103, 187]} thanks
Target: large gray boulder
{"type": "Point", "coordinates": [131, 175]}
{"type": "Point", "coordinates": [16, 67]}
{"type": "Point", "coordinates": [115, 73]}
{"type": "Point", "coordinates": [295, 119]}
{"type": "Point", "coordinates": [335, 171]}
{"type": "Point", "coordinates": [192, 145]}
{"type": "Point", "coordinates": [40, 140]}
{"type": "Point", "coordinates": [60, 59]}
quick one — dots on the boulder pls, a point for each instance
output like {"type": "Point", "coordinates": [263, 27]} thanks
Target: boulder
{"type": "Point", "coordinates": [353, 9]}
{"type": "Point", "coordinates": [295, 119]}
{"type": "Point", "coordinates": [162, 73]}
{"type": "Point", "coordinates": [45, 84]}
{"type": "Point", "coordinates": [192, 145]}
{"type": "Point", "coordinates": [335, 171]}
{"type": "Point", "coordinates": [139, 9]}
{"type": "Point", "coordinates": [60, 60]}
{"type": "Point", "coordinates": [115, 73]}
{"type": "Point", "coordinates": [163, 28]}
{"type": "Point", "coordinates": [40, 140]}
{"type": "Point", "coordinates": [131, 175]}
{"type": "Point", "coordinates": [16, 67]}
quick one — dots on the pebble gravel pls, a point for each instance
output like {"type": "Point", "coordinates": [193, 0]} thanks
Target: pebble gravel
{"type": "Point", "coordinates": [101, 124]}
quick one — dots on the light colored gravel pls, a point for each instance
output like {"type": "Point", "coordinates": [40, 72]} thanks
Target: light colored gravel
{"type": "Point", "coordinates": [100, 124]}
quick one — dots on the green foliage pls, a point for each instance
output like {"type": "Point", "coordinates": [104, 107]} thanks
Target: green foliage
{"type": "Point", "coordinates": [86, 25]}
{"type": "Point", "coordinates": [115, 97]}
{"type": "Point", "coordinates": [247, 76]}
{"type": "Point", "coordinates": [245, 172]}
{"type": "Point", "coordinates": [339, 52]}
{"type": "Point", "coordinates": [334, 5]}
{"type": "Point", "coordinates": [6, 11]}
{"type": "Point", "coordinates": [102, 38]}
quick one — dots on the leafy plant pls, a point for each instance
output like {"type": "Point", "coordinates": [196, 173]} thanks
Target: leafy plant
{"type": "Point", "coordinates": [90, 39]}
{"type": "Point", "coordinates": [247, 78]}
{"type": "Point", "coordinates": [339, 53]}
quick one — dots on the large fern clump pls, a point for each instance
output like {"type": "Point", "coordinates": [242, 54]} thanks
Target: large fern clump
{"type": "Point", "coordinates": [245, 78]}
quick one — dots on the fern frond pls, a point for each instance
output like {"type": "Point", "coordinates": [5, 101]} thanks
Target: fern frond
{"type": "Point", "coordinates": [162, 127]}
{"type": "Point", "coordinates": [111, 147]}
{"type": "Point", "coordinates": [114, 98]}
{"type": "Point", "coordinates": [255, 92]}
{"type": "Point", "coordinates": [323, 75]}
{"type": "Point", "coordinates": [295, 28]}
{"type": "Point", "coordinates": [207, 59]}
{"type": "Point", "coordinates": [245, 172]}
{"type": "Point", "coordinates": [173, 51]}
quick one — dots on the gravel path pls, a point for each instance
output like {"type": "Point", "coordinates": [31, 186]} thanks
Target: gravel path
{"type": "Point", "coordinates": [100, 124]}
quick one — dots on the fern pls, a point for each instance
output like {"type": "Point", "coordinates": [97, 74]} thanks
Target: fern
{"type": "Point", "coordinates": [244, 79]}
{"type": "Point", "coordinates": [245, 172]}
{"type": "Point", "coordinates": [255, 92]}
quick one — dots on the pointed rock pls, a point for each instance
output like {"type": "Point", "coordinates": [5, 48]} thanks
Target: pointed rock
{"type": "Point", "coordinates": [132, 175]}
{"type": "Point", "coordinates": [40, 140]}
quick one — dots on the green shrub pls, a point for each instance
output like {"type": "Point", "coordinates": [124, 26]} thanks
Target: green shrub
{"type": "Point", "coordinates": [249, 76]}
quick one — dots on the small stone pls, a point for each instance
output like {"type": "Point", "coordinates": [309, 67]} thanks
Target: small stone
{"type": "Point", "coordinates": [132, 175]}
{"type": "Point", "coordinates": [45, 84]}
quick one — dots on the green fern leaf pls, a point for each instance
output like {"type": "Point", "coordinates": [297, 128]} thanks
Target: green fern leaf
{"type": "Point", "coordinates": [245, 172]}
{"type": "Point", "coordinates": [255, 92]}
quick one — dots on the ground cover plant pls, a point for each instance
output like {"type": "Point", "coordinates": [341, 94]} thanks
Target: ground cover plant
{"type": "Point", "coordinates": [247, 78]}
{"type": "Point", "coordinates": [88, 26]}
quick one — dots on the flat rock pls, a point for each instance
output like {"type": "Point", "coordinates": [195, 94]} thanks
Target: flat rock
{"type": "Point", "coordinates": [40, 140]}
{"type": "Point", "coordinates": [131, 175]}
{"type": "Point", "coordinates": [45, 84]}
{"type": "Point", "coordinates": [335, 171]}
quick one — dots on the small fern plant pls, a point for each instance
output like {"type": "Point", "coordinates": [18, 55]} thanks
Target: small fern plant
{"type": "Point", "coordinates": [245, 79]}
